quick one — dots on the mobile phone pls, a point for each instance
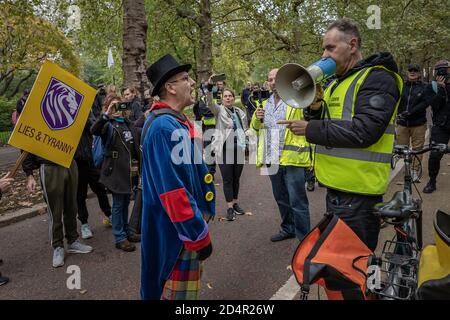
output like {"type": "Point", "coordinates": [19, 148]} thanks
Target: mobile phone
{"type": "Point", "coordinates": [218, 77]}
{"type": "Point", "coordinates": [122, 106]}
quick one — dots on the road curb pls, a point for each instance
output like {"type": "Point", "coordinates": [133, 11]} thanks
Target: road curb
{"type": "Point", "coordinates": [27, 213]}
{"type": "Point", "coordinates": [22, 214]}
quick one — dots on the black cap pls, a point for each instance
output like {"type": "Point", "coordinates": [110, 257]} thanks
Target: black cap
{"type": "Point", "coordinates": [162, 70]}
{"type": "Point", "coordinates": [413, 66]}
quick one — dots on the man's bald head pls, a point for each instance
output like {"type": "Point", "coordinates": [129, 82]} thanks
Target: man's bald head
{"type": "Point", "coordinates": [271, 79]}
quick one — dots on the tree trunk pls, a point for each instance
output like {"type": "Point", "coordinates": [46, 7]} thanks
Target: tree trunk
{"type": "Point", "coordinates": [30, 73]}
{"type": "Point", "coordinates": [134, 61]}
{"type": "Point", "coordinates": [8, 81]}
{"type": "Point", "coordinates": [204, 62]}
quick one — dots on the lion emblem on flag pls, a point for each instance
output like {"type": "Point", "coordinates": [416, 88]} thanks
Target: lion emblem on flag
{"type": "Point", "coordinates": [60, 105]}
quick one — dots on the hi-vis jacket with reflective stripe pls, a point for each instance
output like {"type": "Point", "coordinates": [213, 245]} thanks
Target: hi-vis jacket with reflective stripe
{"type": "Point", "coordinates": [209, 120]}
{"type": "Point", "coordinates": [296, 150]}
{"type": "Point", "coordinates": [361, 171]}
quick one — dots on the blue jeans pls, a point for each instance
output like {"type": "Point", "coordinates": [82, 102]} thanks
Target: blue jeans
{"type": "Point", "coordinates": [119, 216]}
{"type": "Point", "coordinates": [288, 187]}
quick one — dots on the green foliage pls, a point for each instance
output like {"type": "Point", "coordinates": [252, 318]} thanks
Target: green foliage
{"type": "Point", "coordinates": [7, 106]}
{"type": "Point", "coordinates": [248, 38]}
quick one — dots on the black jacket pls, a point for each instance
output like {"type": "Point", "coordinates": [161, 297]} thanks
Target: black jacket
{"type": "Point", "coordinates": [202, 110]}
{"type": "Point", "coordinates": [33, 162]}
{"type": "Point", "coordinates": [97, 106]}
{"type": "Point", "coordinates": [440, 105]}
{"type": "Point", "coordinates": [374, 107]}
{"type": "Point", "coordinates": [115, 173]}
{"type": "Point", "coordinates": [416, 97]}
{"type": "Point", "coordinates": [84, 149]}
{"type": "Point", "coordinates": [136, 109]}
{"type": "Point", "coordinates": [20, 104]}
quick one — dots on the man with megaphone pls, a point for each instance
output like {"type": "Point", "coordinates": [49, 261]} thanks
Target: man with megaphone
{"type": "Point", "coordinates": [353, 129]}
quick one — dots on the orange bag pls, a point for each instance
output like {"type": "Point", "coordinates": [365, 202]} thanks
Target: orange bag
{"type": "Point", "coordinates": [334, 257]}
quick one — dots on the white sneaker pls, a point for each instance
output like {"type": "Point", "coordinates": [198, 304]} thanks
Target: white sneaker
{"type": "Point", "coordinates": [78, 247]}
{"type": "Point", "coordinates": [86, 232]}
{"type": "Point", "coordinates": [58, 257]}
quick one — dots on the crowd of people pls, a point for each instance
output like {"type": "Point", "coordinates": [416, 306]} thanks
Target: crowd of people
{"type": "Point", "coordinates": [344, 139]}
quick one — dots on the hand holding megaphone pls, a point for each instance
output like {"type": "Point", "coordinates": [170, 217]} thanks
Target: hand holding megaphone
{"type": "Point", "coordinates": [260, 113]}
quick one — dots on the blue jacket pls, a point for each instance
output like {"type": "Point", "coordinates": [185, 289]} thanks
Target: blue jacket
{"type": "Point", "coordinates": [174, 201]}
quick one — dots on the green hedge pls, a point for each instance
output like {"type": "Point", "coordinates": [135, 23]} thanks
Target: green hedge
{"type": "Point", "coordinates": [7, 106]}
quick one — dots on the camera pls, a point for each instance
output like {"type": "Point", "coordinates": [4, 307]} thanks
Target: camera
{"type": "Point", "coordinates": [218, 77]}
{"type": "Point", "coordinates": [122, 106]}
{"type": "Point", "coordinates": [261, 95]}
{"type": "Point", "coordinates": [442, 72]}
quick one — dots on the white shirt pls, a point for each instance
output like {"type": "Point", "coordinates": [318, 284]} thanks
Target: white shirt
{"type": "Point", "coordinates": [274, 134]}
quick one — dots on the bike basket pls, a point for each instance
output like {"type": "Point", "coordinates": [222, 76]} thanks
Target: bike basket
{"type": "Point", "coordinates": [334, 257]}
{"type": "Point", "coordinates": [434, 271]}
{"type": "Point", "coordinates": [399, 265]}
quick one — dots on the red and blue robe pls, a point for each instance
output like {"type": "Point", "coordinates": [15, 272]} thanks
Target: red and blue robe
{"type": "Point", "coordinates": [176, 197]}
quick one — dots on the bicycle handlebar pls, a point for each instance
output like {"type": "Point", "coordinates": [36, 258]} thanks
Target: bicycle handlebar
{"type": "Point", "coordinates": [403, 150]}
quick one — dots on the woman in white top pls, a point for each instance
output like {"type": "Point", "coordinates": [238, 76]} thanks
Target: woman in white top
{"type": "Point", "coordinates": [229, 146]}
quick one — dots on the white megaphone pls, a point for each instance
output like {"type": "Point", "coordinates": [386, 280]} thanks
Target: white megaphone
{"type": "Point", "coordinates": [296, 85]}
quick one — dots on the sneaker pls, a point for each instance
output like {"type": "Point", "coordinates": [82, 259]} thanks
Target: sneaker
{"type": "Point", "coordinates": [430, 187]}
{"type": "Point", "coordinates": [231, 215]}
{"type": "Point", "coordinates": [78, 247]}
{"type": "Point", "coordinates": [86, 232]}
{"type": "Point", "coordinates": [310, 185]}
{"type": "Point", "coordinates": [280, 236]}
{"type": "Point", "coordinates": [238, 210]}
{"type": "Point", "coordinates": [58, 257]}
{"type": "Point", "coordinates": [107, 222]}
{"type": "Point", "coordinates": [3, 280]}
{"type": "Point", "coordinates": [126, 246]}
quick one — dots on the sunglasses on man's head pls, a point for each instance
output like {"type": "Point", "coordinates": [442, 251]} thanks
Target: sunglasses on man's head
{"type": "Point", "coordinates": [413, 70]}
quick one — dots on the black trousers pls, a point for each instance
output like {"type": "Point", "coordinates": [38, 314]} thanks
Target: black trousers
{"type": "Point", "coordinates": [438, 135]}
{"type": "Point", "coordinates": [88, 175]}
{"type": "Point", "coordinates": [231, 173]}
{"type": "Point", "coordinates": [357, 212]}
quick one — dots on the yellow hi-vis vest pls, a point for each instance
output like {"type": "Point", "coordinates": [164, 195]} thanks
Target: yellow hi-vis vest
{"type": "Point", "coordinates": [210, 121]}
{"type": "Point", "coordinates": [362, 171]}
{"type": "Point", "coordinates": [296, 151]}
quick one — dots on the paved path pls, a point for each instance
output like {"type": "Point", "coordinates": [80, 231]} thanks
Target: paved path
{"type": "Point", "coordinates": [244, 265]}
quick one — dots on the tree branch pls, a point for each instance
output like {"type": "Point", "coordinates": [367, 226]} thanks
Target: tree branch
{"type": "Point", "coordinates": [228, 21]}
{"type": "Point", "coordinates": [30, 73]}
{"type": "Point", "coordinates": [186, 13]}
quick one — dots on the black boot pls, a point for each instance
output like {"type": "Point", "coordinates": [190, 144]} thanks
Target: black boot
{"type": "Point", "coordinates": [430, 187]}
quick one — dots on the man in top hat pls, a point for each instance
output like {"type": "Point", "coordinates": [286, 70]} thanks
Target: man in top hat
{"type": "Point", "coordinates": [178, 192]}
{"type": "Point", "coordinates": [412, 115]}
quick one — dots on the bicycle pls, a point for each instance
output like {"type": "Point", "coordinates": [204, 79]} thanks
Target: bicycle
{"type": "Point", "coordinates": [399, 262]}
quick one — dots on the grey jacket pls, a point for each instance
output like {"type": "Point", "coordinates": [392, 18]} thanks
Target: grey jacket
{"type": "Point", "coordinates": [224, 124]}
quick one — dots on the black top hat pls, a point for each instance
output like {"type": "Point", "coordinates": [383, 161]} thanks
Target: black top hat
{"type": "Point", "coordinates": [160, 71]}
